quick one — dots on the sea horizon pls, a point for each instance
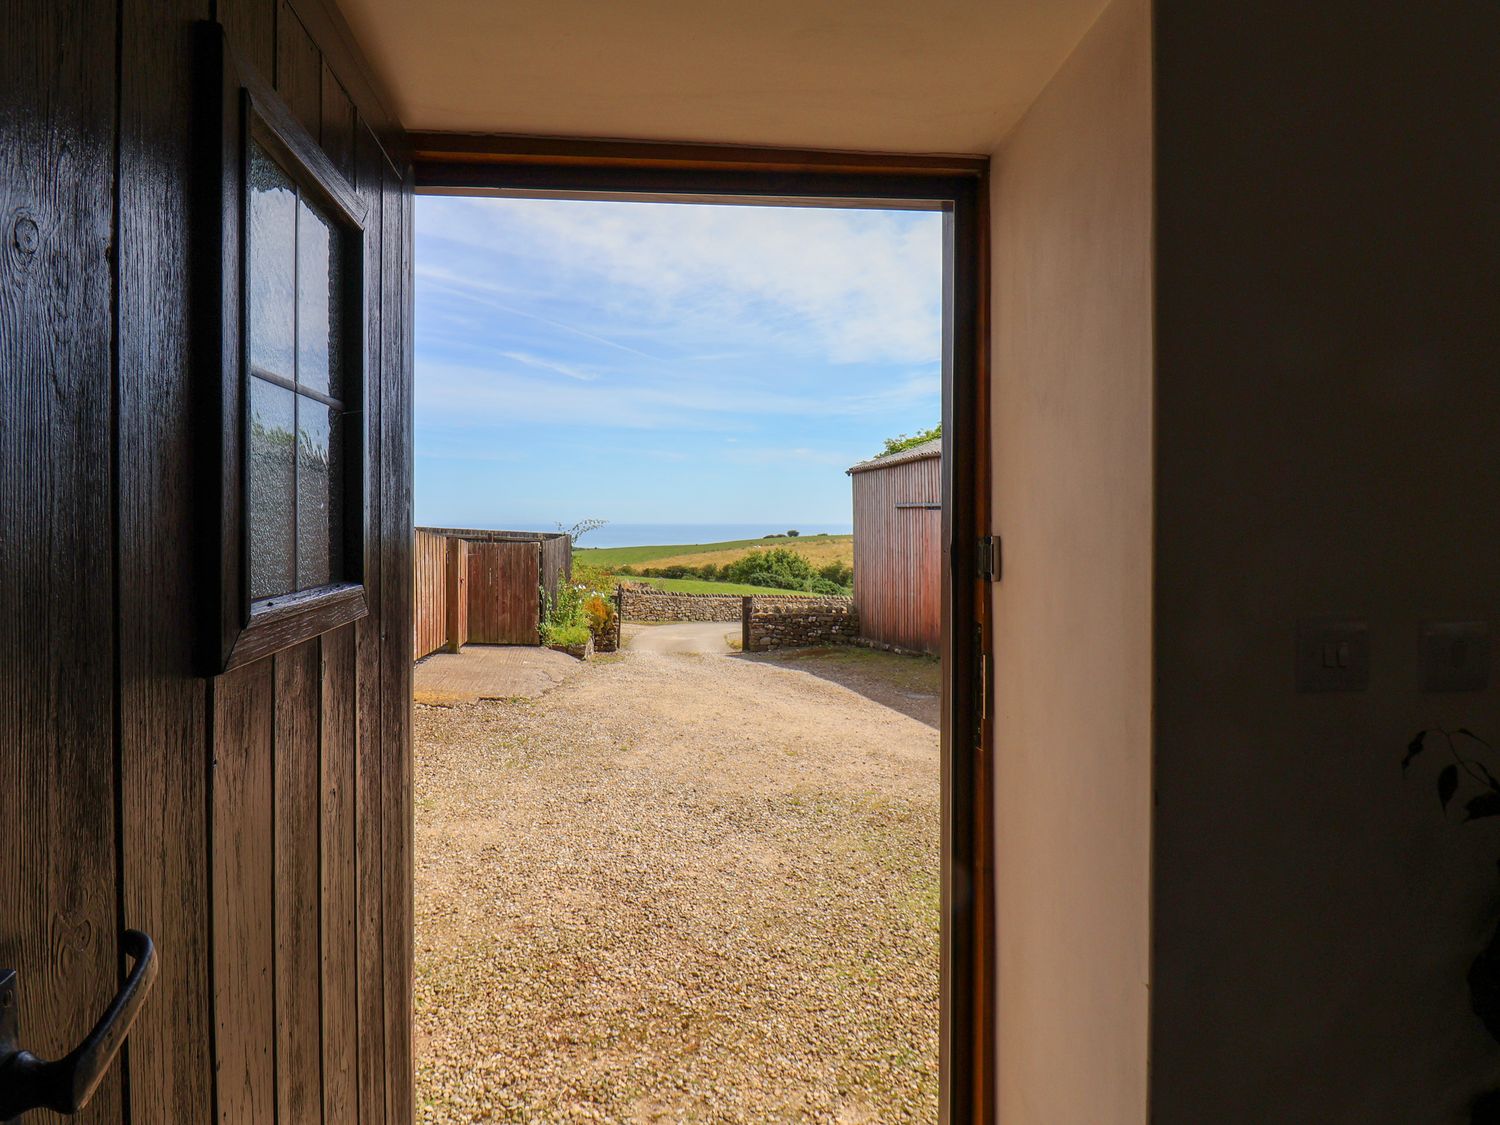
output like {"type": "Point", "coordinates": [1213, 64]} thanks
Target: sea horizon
{"type": "Point", "coordinates": [651, 534]}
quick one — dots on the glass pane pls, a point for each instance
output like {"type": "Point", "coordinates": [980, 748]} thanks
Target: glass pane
{"type": "Point", "coordinates": [271, 508]}
{"type": "Point", "coordinates": [319, 494]}
{"type": "Point", "coordinates": [318, 312]}
{"type": "Point", "coordinates": [273, 249]}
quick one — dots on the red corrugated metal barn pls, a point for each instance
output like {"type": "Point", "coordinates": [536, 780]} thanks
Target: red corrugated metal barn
{"type": "Point", "coordinates": [898, 521]}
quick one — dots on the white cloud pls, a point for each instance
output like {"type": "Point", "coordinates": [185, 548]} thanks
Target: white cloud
{"type": "Point", "coordinates": [466, 396]}
{"type": "Point", "coordinates": [484, 293]}
{"type": "Point", "coordinates": [551, 365]}
{"type": "Point", "coordinates": [856, 286]}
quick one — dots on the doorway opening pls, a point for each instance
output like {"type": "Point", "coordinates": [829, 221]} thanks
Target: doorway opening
{"type": "Point", "coordinates": [734, 870]}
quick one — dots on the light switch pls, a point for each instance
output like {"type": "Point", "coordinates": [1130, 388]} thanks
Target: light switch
{"type": "Point", "coordinates": [1455, 655]}
{"type": "Point", "coordinates": [1333, 654]}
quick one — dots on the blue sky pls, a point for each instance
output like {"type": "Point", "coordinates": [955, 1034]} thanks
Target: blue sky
{"type": "Point", "coordinates": [665, 363]}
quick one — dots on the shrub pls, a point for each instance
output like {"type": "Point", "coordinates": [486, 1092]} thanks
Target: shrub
{"type": "Point", "coordinates": [599, 614]}
{"type": "Point", "coordinates": [561, 614]}
{"type": "Point", "coordinates": [566, 635]}
{"type": "Point", "coordinates": [788, 569]}
{"type": "Point", "coordinates": [840, 574]}
{"type": "Point", "coordinates": [597, 578]}
{"type": "Point", "coordinates": [793, 533]}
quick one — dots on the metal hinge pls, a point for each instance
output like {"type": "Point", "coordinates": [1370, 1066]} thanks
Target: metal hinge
{"type": "Point", "coordinates": [989, 558]}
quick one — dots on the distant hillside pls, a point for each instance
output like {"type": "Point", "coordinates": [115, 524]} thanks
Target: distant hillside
{"type": "Point", "coordinates": [701, 586]}
{"type": "Point", "coordinates": [820, 550]}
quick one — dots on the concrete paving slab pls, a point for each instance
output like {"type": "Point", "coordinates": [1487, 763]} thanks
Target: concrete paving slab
{"type": "Point", "coordinates": [491, 672]}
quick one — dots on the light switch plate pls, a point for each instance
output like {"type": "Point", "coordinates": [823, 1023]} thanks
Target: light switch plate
{"type": "Point", "coordinates": [1333, 654]}
{"type": "Point", "coordinates": [1455, 655]}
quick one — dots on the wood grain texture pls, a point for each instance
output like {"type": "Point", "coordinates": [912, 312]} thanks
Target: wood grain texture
{"type": "Point", "coordinates": [441, 576]}
{"type": "Point", "coordinates": [556, 562]}
{"type": "Point", "coordinates": [297, 875]}
{"type": "Point", "coordinates": [337, 125]}
{"type": "Point", "coordinates": [251, 28]}
{"type": "Point", "coordinates": [898, 554]}
{"type": "Point", "coordinates": [299, 70]}
{"type": "Point", "coordinates": [295, 619]}
{"type": "Point", "coordinates": [396, 540]}
{"type": "Point", "coordinates": [326, 24]}
{"type": "Point", "coordinates": [239, 821]}
{"type": "Point", "coordinates": [430, 608]}
{"type": "Point", "coordinates": [339, 748]}
{"type": "Point", "coordinates": [58, 906]}
{"type": "Point", "coordinates": [369, 805]}
{"type": "Point", "coordinates": [164, 828]}
{"type": "Point", "coordinates": [504, 584]}
{"type": "Point", "coordinates": [457, 579]}
{"type": "Point", "coordinates": [244, 895]}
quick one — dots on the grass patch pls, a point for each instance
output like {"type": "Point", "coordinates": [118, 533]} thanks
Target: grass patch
{"type": "Point", "coordinates": [818, 548]}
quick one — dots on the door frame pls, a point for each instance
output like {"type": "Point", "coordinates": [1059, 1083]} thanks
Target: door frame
{"type": "Point", "coordinates": [546, 167]}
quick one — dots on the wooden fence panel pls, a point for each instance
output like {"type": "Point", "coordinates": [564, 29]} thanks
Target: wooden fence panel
{"type": "Point", "coordinates": [430, 594]}
{"type": "Point", "coordinates": [557, 562]}
{"type": "Point", "coordinates": [504, 584]}
{"type": "Point", "coordinates": [458, 594]}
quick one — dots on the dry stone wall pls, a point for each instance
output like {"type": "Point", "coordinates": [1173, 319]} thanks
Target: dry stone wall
{"type": "Point", "coordinates": [771, 622]}
{"type": "Point", "coordinates": [647, 603]}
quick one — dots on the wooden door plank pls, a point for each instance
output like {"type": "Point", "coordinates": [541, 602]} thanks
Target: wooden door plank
{"type": "Point", "coordinates": [244, 900]}
{"type": "Point", "coordinates": [250, 26]}
{"type": "Point", "coordinates": [456, 580]}
{"type": "Point", "coordinates": [58, 906]}
{"type": "Point", "coordinates": [299, 70]}
{"type": "Point", "coordinates": [339, 942]}
{"type": "Point", "coordinates": [369, 805]}
{"type": "Point", "coordinates": [337, 125]}
{"type": "Point", "coordinates": [395, 540]}
{"type": "Point", "coordinates": [164, 828]}
{"type": "Point", "coordinates": [296, 864]}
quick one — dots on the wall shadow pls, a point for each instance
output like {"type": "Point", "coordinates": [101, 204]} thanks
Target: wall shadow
{"type": "Point", "coordinates": [911, 685]}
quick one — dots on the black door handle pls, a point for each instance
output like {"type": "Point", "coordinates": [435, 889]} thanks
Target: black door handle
{"type": "Point", "coordinates": [27, 1082]}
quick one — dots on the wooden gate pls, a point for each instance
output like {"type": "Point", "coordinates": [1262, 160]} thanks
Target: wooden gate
{"type": "Point", "coordinates": [504, 592]}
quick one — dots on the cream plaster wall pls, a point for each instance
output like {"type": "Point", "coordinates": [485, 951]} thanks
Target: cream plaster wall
{"type": "Point", "coordinates": [1072, 433]}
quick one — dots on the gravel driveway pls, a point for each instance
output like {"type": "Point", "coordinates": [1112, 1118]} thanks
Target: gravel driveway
{"type": "Point", "coordinates": [682, 887]}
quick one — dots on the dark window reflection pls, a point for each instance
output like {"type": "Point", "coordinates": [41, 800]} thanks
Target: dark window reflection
{"type": "Point", "coordinates": [296, 502]}
{"type": "Point", "coordinates": [319, 488]}
{"type": "Point", "coordinates": [272, 425]}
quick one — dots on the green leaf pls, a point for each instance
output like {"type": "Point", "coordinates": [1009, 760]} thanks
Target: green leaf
{"type": "Point", "coordinates": [1413, 748]}
{"type": "Point", "coordinates": [1447, 784]}
{"type": "Point", "coordinates": [1486, 804]}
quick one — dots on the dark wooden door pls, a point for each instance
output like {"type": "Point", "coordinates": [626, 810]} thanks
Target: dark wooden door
{"type": "Point", "coordinates": [59, 900]}
{"type": "Point", "coordinates": [257, 825]}
{"type": "Point", "coordinates": [504, 593]}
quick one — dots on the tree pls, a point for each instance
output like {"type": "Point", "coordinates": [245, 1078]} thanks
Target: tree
{"type": "Point", "coordinates": [581, 528]}
{"type": "Point", "coordinates": [907, 441]}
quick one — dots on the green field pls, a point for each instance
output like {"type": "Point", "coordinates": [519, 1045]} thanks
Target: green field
{"type": "Point", "coordinates": [815, 546]}
{"type": "Point", "coordinates": [702, 586]}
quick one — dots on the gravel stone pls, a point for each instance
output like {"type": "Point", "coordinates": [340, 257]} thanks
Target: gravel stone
{"type": "Point", "coordinates": [683, 888]}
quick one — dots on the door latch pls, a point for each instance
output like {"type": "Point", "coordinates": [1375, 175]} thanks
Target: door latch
{"type": "Point", "coordinates": [27, 1082]}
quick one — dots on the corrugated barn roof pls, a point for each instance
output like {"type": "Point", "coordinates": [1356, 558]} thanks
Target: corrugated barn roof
{"type": "Point", "coordinates": [933, 448]}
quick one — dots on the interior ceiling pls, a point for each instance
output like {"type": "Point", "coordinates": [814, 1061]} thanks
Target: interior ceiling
{"type": "Point", "coordinates": [939, 76]}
